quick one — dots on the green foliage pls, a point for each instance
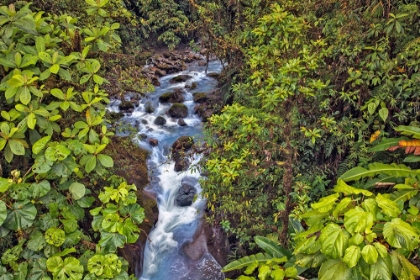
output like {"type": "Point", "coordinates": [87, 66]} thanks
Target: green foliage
{"type": "Point", "coordinates": [274, 264]}
{"type": "Point", "coordinates": [359, 233]}
{"type": "Point", "coordinates": [52, 126]}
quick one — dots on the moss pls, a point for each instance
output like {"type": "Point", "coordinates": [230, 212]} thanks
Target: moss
{"type": "Point", "coordinates": [178, 110]}
{"type": "Point", "coordinates": [200, 97]}
{"type": "Point", "coordinates": [180, 79]}
{"type": "Point", "coordinates": [213, 75]}
{"type": "Point", "coordinates": [164, 98]}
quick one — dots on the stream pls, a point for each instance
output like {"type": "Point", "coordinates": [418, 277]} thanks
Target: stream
{"type": "Point", "coordinates": [164, 257]}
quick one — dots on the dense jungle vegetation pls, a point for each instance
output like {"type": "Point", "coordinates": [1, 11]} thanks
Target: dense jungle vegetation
{"type": "Point", "coordinates": [312, 164]}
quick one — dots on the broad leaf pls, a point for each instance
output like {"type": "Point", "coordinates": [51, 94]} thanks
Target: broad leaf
{"type": "Point", "coordinates": [334, 270]}
{"type": "Point", "coordinates": [111, 241]}
{"type": "Point", "coordinates": [105, 160]}
{"type": "Point", "coordinates": [397, 170]}
{"type": "Point", "coordinates": [55, 236]}
{"type": "Point", "coordinates": [358, 221]}
{"type": "Point", "coordinates": [334, 240]}
{"type": "Point", "coordinates": [386, 143]}
{"type": "Point", "coordinates": [70, 268]}
{"type": "Point", "coordinates": [370, 254]}
{"type": "Point", "coordinates": [325, 204]}
{"type": "Point", "coordinates": [248, 260]}
{"type": "Point", "coordinates": [400, 234]}
{"type": "Point", "coordinates": [40, 144]}
{"type": "Point", "coordinates": [129, 230]}
{"type": "Point", "coordinates": [352, 256]}
{"type": "Point", "coordinates": [271, 247]}
{"type": "Point", "coordinates": [388, 206]}
{"type": "Point", "coordinates": [342, 187]}
{"type": "Point", "coordinates": [22, 215]}
{"type": "Point", "coordinates": [77, 190]}
{"type": "Point", "coordinates": [3, 212]}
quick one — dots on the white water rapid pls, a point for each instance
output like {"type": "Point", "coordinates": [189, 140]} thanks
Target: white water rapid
{"type": "Point", "coordinates": [164, 258]}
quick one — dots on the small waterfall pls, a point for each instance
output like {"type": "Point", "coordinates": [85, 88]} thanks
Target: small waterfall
{"type": "Point", "coordinates": [164, 257]}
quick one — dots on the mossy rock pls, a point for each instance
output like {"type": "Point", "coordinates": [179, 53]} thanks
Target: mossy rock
{"type": "Point", "coordinates": [213, 75]}
{"type": "Point", "coordinates": [200, 97]}
{"type": "Point", "coordinates": [180, 79]}
{"type": "Point", "coordinates": [149, 108]}
{"type": "Point", "coordinates": [178, 110]}
{"type": "Point", "coordinates": [126, 106]}
{"type": "Point", "coordinates": [164, 98]}
{"type": "Point", "coordinates": [160, 120]}
{"type": "Point", "coordinates": [193, 85]}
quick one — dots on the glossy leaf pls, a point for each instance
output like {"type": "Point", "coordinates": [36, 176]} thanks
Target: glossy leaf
{"type": "Point", "coordinates": [22, 215]}
{"type": "Point", "coordinates": [334, 270]}
{"type": "Point", "coordinates": [400, 234]}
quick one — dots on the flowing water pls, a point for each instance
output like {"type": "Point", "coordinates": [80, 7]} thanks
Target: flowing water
{"type": "Point", "coordinates": [163, 256]}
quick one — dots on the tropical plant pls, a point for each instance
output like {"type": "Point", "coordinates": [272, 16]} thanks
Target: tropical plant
{"type": "Point", "coordinates": [45, 202]}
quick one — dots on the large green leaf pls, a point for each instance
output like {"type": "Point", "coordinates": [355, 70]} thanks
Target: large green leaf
{"type": "Point", "coordinates": [325, 204]}
{"type": "Point", "coordinates": [381, 269]}
{"type": "Point", "coordinates": [334, 240]}
{"type": "Point", "coordinates": [248, 260]}
{"type": "Point", "coordinates": [111, 222]}
{"type": "Point", "coordinates": [40, 144]}
{"type": "Point", "coordinates": [370, 254]}
{"type": "Point", "coordinates": [358, 221]}
{"type": "Point", "coordinates": [388, 206]}
{"type": "Point", "coordinates": [5, 184]}
{"type": "Point", "coordinates": [129, 230]}
{"type": "Point", "coordinates": [342, 187]}
{"type": "Point", "coordinates": [135, 211]}
{"type": "Point", "coordinates": [40, 189]}
{"type": "Point", "coordinates": [17, 147]}
{"type": "Point", "coordinates": [22, 215]}
{"type": "Point", "coordinates": [77, 190]}
{"type": "Point", "coordinates": [387, 143]}
{"type": "Point", "coordinates": [110, 241]}
{"type": "Point", "coordinates": [70, 268]}
{"type": "Point", "coordinates": [55, 236]}
{"type": "Point", "coordinates": [400, 234]}
{"type": "Point", "coordinates": [105, 160]}
{"type": "Point", "coordinates": [271, 247]}
{"type": "Point", "coordinates": [352, 256]}
{"type": "Point", "coordinates": [334, 270]}
{"type": "Point", "coordinates": [397, 170]}
{"type": "Point", "coordinates": [411, 131]}
{"type": "Point", "coordinates": [402, 268]}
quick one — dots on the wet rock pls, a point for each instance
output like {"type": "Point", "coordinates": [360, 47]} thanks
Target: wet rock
{"type": "Point", "coordinates": [178, 110]}
{"type": "Point", "coordinates": [179, 148]}
{"type": "Point", "coordinates": [160, 120]}
{"type": "Point", "coordinates": [155, 81]}
{"type": "Point", "coordinates": [149, 108]}
{"type": "Point", "coordinates": [126, 106]}
{"type": "Point", "coordinates": [202, 63]}
{"type": "Point", "coordinates": [143, 136]}
{"type": "Point", "coordinates": [186, 192]}
{"type": "Point", "coordinates": [153, 142]}
{"type": "Point", "coordinates": [160, 72]}
{"type": "Point", "coordinates": [194, 85]}
{"type": "Point", "coordinates": [200, 109]}
{"type": "Point", "coordinates": [143, 121]}
{"type": "Point", "coordinates": [181, 122]}
{"type": "Point", "coordinates": [164, 98]}
{"type": "Point", "coordinates": [180, 79]}
{"type": "Point", "coordinates": [199, 97]}
{"type": "Point", "coordinates": [181, 165]}
{"type": "Point", "coordinates": [213, 75]}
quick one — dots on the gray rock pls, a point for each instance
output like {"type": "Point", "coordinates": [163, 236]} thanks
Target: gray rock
{"type": "Point", "coordinates": [186, 192]}
{"type": "Point", "coordinates": [178, 110]}
{"type": "Point", "coordinates": [160, 120]}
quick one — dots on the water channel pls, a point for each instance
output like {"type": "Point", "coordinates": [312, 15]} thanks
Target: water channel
{"type": "Point", "coordinates": [163, 256]}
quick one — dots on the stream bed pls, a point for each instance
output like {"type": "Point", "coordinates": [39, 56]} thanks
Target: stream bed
{"type": "Point", "coordinates": [164, 255]}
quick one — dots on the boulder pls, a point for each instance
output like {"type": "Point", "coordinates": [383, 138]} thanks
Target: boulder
{"type": "Point", "coordinates": [193, 85]}
{"type": "Point", "coordinates": [180, 79]}
{"type": "Point", "coordinates": [149, 108]}
{"type": "Point", "coordinates": [181, 122]}
{"type": "Point", "coordinates": [200, 97]}
{"type": "Point", "coordinates": [179, 147]}
{"type": "Point", "coordinates": [126, 106]}
{"type": "Point", "coordinates": [173, 97]}
{"type": "Point", "coordinates": [153, 142]}
{"type": "Point", "coordinates": [213, 75]}
{"type": "Point", "coordinates": [202, 63]}
{"type": "Point", "coordinates": [178, 110]}
{"type": "Point", "coordinates": [160, 72]}
{"type": "Point", "coordinates": [187, 191]}
{"type": "Point", "coordinates": [164, 98]}
{"type": "Point", "coordinates": [160, 120]}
